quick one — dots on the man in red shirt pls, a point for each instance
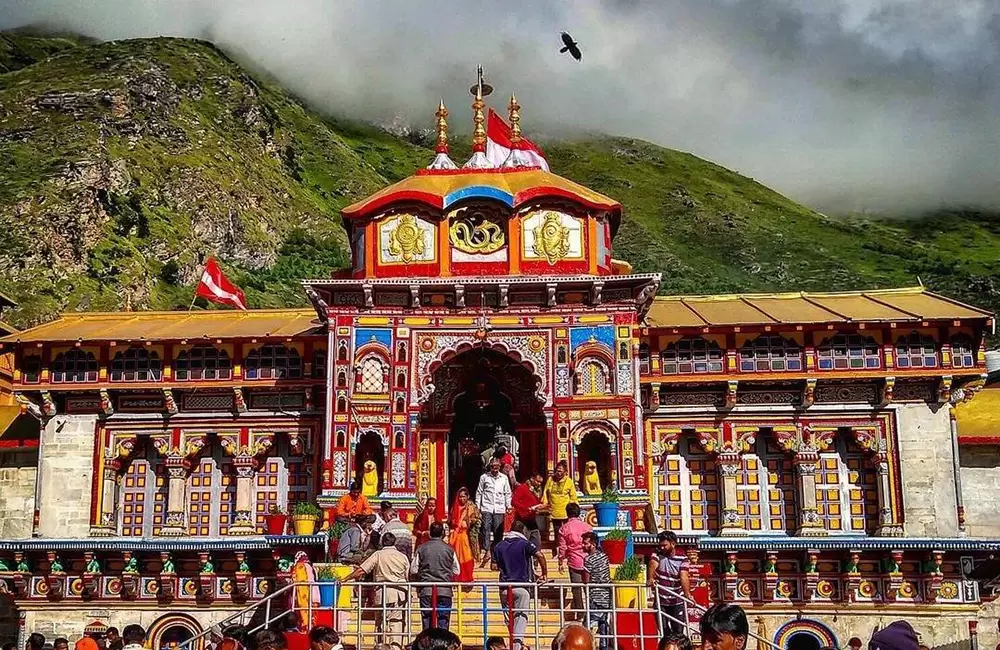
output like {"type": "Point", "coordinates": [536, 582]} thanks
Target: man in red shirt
{"type": "Point", "coordinates": [527, 506]}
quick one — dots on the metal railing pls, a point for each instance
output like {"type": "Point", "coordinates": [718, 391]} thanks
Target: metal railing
{"type": "Point", "coordinates": [482, 608]}
{"type": "Point", "coordinates": [364, 613]}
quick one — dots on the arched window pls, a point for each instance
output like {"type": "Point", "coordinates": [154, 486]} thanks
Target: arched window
{"type": "Point", "coordinates": [274, 361]}
{"type": "Point", "coordinates": [916, 351]}
{"type": "Point", "coordinates": [341, 378]}
{"type": "Point", "coordinates": [401, 352]}
{"type": "Point", "coordinates": [765, 490]}
{"type": "Point", "coordinates": [73, 367]}
{"type": "Point", "coordinates": [342, 351]}
{"type": "Point", "coordinates": [849, 352]}
{"type": "Point", "coordinates": [401, 379]}
{"type": "Point", "coordinates": [846, 489]}
{"type": "Point", "coordinates": [592, 377]}
{"type": "Point", "coordinates": [770, 354]}
{"type": "Point", "coordinates": [31, 369]}
{"type": "Point", "coordinates": [203, 362]}
{"type": "Point", "coordinates": [963, 352]}
{"type": "Point", "coordinates": [691, 355]}
{"type": "Point", "coordinates": [689, 485]}
{"type": "Point", "coordinates": [136, 364]}
{"type": "Point", "coordinates": [372, 375]}
{"type": "Point", "coordinates": [319, 364]}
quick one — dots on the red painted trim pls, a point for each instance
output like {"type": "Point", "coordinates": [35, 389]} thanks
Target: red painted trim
{"type": "Point", "coordinates": [18, 444]}
{"type": "Point", "coordinates": [546, 190]}
{"type": "Point", "coordinates": [432, 200]}
{"type": "Point", "coordinates": [979, 440]}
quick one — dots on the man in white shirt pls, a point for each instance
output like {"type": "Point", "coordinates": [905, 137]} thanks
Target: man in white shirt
{"type": "Point", "coordinates": [493, 500]}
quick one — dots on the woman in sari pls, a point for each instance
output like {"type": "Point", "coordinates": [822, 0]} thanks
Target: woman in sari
{"type": "Point", "coordinates": [306, 596]}
{"type": "Point", "coordinates": [463, 514]}
{"type": "Point", "coordinates": [422, 525]}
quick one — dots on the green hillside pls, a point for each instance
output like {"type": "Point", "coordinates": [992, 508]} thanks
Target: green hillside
{"type": "Point", "coordinates": [123, 164]}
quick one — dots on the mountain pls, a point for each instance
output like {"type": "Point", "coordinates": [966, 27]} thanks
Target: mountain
{"type": "Point", "coordinates": [124, 164]}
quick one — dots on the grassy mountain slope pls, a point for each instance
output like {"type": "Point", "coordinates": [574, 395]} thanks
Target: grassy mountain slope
{"type": "Point", "coordinates": [123, 164]}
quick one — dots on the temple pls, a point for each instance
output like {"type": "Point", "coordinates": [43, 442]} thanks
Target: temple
{"type": "Point", "coordinates": [804, 446]}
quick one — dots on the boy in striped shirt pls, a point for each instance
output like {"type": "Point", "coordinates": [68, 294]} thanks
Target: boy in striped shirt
{"type": "Point", "coordinates": [597, 570]}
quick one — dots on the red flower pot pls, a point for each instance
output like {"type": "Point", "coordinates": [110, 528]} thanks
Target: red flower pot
{"type": "Point", "coordinates": [615, 549]}
{"type": "Point", "coordinates": [276, 524]}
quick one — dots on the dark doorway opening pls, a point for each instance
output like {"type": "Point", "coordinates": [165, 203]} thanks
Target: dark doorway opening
{"type": "Point", "coordinates": [803, 641]}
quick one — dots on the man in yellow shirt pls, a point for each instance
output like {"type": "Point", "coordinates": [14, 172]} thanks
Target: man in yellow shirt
{"type": "Point", "coordinates": [559, 492]}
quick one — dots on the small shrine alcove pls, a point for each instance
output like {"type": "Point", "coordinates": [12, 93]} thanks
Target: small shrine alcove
{"type": "Point", "coordinates": [370, 447]}
{"type": "Point", "coordinates": [596, 446]}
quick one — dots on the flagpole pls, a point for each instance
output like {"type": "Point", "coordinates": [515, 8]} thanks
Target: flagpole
{"type": "Point", "coordinates": [195, 297]}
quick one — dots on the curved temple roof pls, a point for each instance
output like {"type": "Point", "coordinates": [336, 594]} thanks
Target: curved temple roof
{"type": "Point", "coordinates": [513, 187]}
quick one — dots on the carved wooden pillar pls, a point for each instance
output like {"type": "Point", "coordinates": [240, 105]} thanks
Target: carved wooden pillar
{"type": "Point", "coordinates": [175, 521]}
{"type": "Point", "coordinates": [243, 523]}
{"type": "Point", "coordinates": [887, 527]}
{"type": "Point", "coordinates": [805, 463]}
{"type": "Point", "coordinates": [106, 524]}
{"type": "Point", "coordinates": [729, 466]}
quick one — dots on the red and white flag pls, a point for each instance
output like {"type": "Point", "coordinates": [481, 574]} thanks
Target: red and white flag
{"type": "Point", "coordinates": [216, 287]}
{"type": "Point", "coordinates": [498, 145]}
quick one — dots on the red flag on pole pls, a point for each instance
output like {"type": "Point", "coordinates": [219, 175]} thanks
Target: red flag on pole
{"type": "Point", "coordinates": [216, 287]}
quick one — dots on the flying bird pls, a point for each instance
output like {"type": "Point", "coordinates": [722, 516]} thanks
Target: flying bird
{"type": "Point", "coordinates": [571, 46]}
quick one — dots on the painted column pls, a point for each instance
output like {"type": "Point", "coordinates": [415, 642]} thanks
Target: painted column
{"type": "Point", "coordinates": [805, 462]}
{"type": "Point", "coordinates": [175, 522]}
{"type": "Point", "coordinates": [107, 524]}
{"type": "Point", "coordinates": [243, 523]}
{"type": "Point", "coordinates": [729, 466]}
{"type": "Point", "coordinates": [886, 527]}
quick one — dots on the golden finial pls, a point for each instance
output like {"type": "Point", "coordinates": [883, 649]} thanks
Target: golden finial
{"type": "Point", "coordinates": [479, 132]}
{"type": "Point", "coordinates": [442, 128]}
{"type": "Point", "coordinates": [514, 112]}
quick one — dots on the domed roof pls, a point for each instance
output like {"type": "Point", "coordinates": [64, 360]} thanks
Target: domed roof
{"type": "Point", "coordinates": [511, 186]}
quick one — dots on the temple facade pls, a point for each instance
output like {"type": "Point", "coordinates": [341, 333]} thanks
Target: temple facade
{"type": "Point", "coordinates": [803, 446]}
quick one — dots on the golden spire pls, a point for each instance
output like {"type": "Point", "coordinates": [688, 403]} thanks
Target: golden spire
{"type": "Point", "coordinates": [514, 112]}
{"type": "Point", "coordinates": [442, 128]}
{"type": "Point", "coordinates": [479, 132]}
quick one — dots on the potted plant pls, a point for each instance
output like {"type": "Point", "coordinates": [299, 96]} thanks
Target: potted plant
{"type": "Point", "coordinates": [607, 508]}
{"type": "Point", "coordinates": [333, 534]}
{"type": "Point", "coordinates": [615, 543]}
{"type": "Point", "coordinates": [305, 517]}
{"type": "Point", "coordinates": [630, 572]}
{"type": "Point", "coordinates": [327, 579]}
{"type": "Point", "coordinates": [276, 520]}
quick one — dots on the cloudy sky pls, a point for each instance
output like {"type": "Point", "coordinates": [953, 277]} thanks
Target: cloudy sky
{"type": "Point", "coordinates": [890, 105]}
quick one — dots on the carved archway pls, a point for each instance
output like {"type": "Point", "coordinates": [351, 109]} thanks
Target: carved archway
{"type": "Point", "coordinates": [530, 349]}
{"type": "Point", "coordinates": [482, 395]}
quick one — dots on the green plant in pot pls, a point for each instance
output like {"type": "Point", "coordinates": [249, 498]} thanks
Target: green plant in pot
{"type": "Point", "coordinates": [327, 579]}
{"type": "Point", "coordinates": [615, 543]}
{"type": "Point", "coordinates": [630, 572]}
{"type": "Point", "coordinates": [276, 520]}
{"type": "Point", "coordinates": [607, 507]}
{"type": "Point", "coordinates": [305, 517]}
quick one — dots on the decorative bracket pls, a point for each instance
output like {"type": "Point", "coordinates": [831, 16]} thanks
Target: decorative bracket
{"type": "Point", "coordinates": [169, 403]}
{"type": "Point", "coordinates": [550, 294]}
{"type": "Point", "coordinates": [595, 292]}
{"type": "Point", "coordinates": [503, 300]}
{"type": "Point", "coordinates": [944, 389]}
{"type": "Point", "coordinates": [731, 387]}
{"type": "Point", "coordinates": [460, 296]}
{"type": "Point", "coordinates": [48, 405]}
{"type": "Point", "coordinates": [887, 390]}
{"type": "Point", "coordinates": [369, 298]}
{"type": "Point", "coordinates": [239, 403]}
{"type": "Point", "coordinates": [809, 393]}
{"type": "Point", "coordinates": [27, 406]}
{"type": "Point", "coordinates": [107, 407]}
{"type": "Point", "coordinates": [414, 295]}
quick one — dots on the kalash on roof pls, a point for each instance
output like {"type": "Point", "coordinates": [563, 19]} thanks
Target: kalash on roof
{"type": "Point", "coordinates": [501, 212]}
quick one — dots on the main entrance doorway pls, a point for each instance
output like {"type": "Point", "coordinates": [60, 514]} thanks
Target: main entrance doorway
{"type": "Point", "coordinates": [483, 399]}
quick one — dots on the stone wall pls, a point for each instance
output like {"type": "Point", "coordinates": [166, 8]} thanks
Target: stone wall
{"type": "Point", "coordinates": [980, 471]}
{"type": "Point", "coordinates": [65, 475]}
{"type": "Point", "coordinates": [928, 472]}
{"type": "Point", "coordinates": [17, 492]}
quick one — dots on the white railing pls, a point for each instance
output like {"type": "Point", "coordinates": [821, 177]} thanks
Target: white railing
{"type": "Point", "coordinates": [475, 612]}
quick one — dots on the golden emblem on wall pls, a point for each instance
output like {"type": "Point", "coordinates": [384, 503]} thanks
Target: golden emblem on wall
{"type": "Point", "coordinates": [471, 237]}
{"type": "Point", "coordinates": [407, 240]}
{"type": "Point", "coordinates": [551, 238]}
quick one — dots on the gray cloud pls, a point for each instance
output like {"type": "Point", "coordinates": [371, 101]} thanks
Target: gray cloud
{"type": "Point", "coordinates": [844, 104]}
